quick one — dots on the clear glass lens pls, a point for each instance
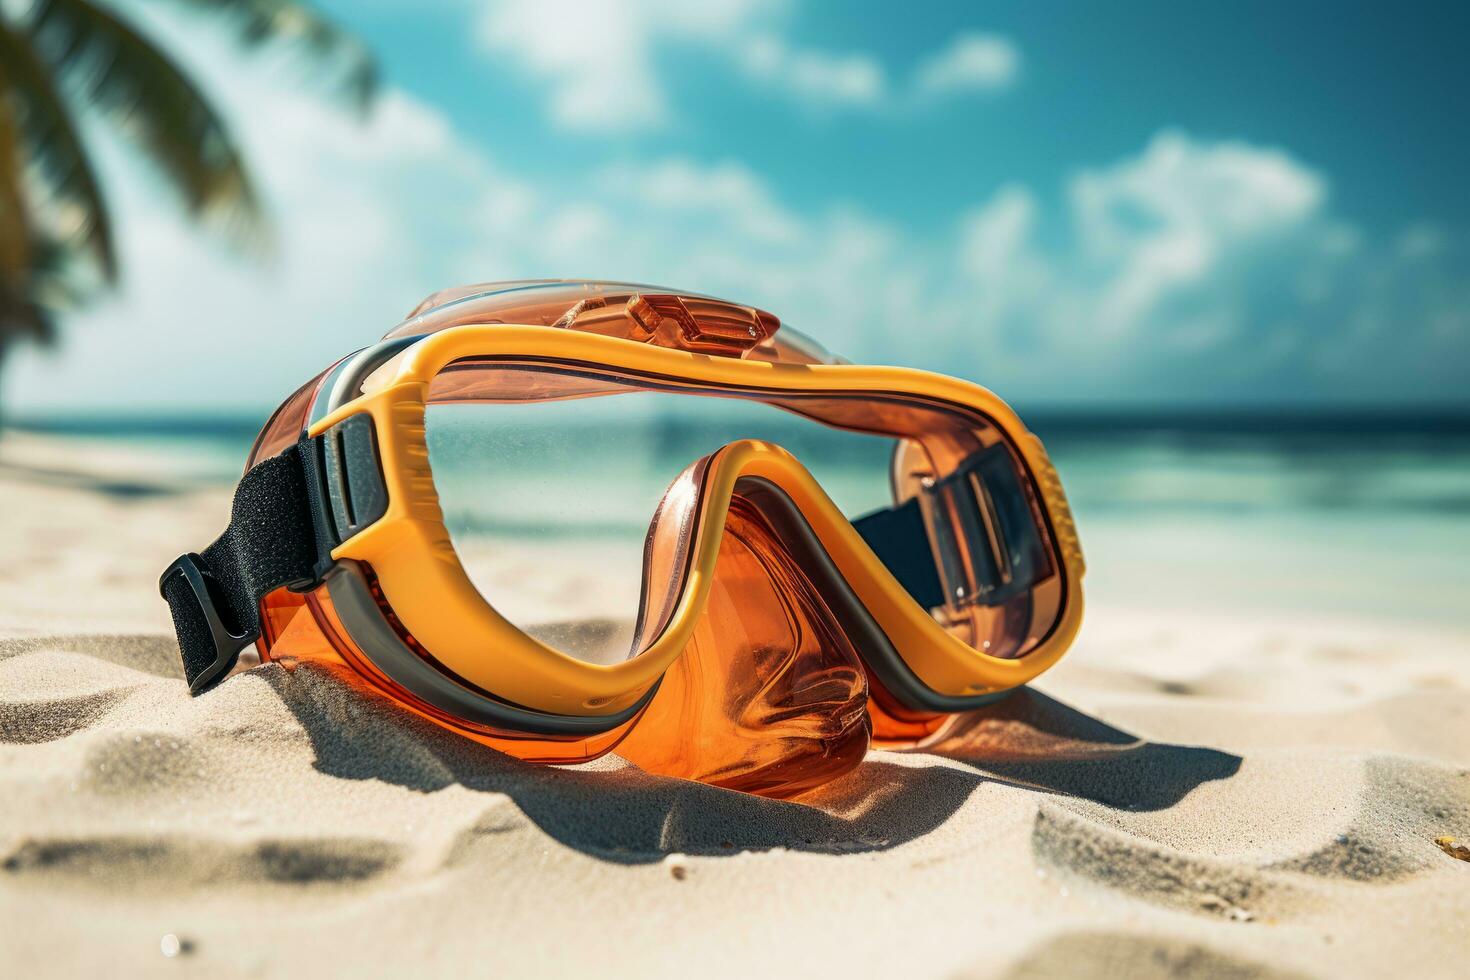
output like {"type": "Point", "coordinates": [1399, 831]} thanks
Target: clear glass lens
{"type": "Point", "coordinates": [570, 493]}
{"type": "Point", "coordinates": [549, 502]}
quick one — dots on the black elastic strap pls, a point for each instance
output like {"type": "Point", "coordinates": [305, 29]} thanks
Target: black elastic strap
{"type": "Point", "coordinates": [270, 542]}
{"type": "Point", "coordinates": [988, 546]}
{"type": "Point", "coordinates": [899, 539]}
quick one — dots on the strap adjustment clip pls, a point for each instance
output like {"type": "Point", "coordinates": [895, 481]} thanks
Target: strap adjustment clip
{"type": "Point", "coordinates": [227, 645]}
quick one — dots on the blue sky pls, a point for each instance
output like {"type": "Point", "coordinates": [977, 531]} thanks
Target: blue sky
{"type": "Point", "coordinates": [1242, 203]}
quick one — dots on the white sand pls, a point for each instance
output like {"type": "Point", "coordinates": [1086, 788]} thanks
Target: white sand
{"type": "Point", "coordinates": [1185, 796]}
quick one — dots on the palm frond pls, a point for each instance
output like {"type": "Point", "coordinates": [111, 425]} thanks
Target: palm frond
{"type": "Point", "coordinates": [262, 21]}
{"type": "Point", "coordinates": [50, 139]}
{"type": "Point", "coordinates": [14, 225]}
{"type": "Point", "coordinates": [20, 314]}
{"type": "Point", "coordinates": [156, 105]}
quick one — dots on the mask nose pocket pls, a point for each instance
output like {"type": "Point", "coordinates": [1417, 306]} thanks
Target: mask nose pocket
{"type": "Point", "coordinates": [770, 695]}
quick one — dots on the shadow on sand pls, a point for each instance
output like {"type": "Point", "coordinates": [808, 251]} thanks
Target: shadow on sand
{"type": "Point", "coordinates": [1036, 741]}
{"type": "Point", "coordinates": [118, 488]}
{"type": "Point", "coordinates": [617, 812]}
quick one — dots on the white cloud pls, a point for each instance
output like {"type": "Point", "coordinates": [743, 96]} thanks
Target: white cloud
{"type": "Point", "coordinates": [728, 191]}
{"type": "Point", "coordinates": [1155, 253]}
{"type": "Point", "coordinates": [858, 80]}
{"type": "Point", "coordinates": [815, 76]}
{"type": "Point", "coordinates": [1181, 185]}
{"type": "Point", "coordinates": [1166, 220]}
{"type": "Point", "coordinates": [971, 63]}
{"type": "Point", "coordinates": [597, 56]}
{"type": "Point", "coordinates": [993, 237]}
{"type": "Point", "coordinates": [1206, 269]}
{"type": "Point", "coordinates": [1420, 241]}
{"type": "Point", "coordinates": [718, 228]}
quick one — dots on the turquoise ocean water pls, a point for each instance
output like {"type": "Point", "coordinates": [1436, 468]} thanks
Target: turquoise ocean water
{"type": "Point", "coordinates": [1349, 514]}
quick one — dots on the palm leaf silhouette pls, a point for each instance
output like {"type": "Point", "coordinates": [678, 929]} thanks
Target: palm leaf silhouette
{"type": "Point", "coordinates": [59, 57]}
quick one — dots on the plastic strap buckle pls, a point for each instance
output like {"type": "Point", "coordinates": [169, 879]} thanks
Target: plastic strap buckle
{"type": "Point", "coordinates": [227, 645]}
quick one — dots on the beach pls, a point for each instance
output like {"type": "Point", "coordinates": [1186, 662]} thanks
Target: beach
{"type": "Point", "coordinates": [1228, 788]}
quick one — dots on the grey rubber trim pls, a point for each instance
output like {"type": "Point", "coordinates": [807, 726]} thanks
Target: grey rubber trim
{"type": "Point", "coordinates": [868, 637]}
{"type": "Point", "coordinates": [318, 409]}
{"type": "Point", "coordinates": [345, 381]}
{"type": "Point", "coordinates": [353, 473]}
{"type": "Point", "coordinates": [381, 644]}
